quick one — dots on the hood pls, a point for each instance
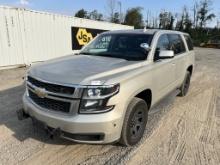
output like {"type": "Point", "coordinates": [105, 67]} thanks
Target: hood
{"type": "Point", "coordinates": [79, 69]}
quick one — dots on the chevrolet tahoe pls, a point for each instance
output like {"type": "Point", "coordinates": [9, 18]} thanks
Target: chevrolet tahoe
{"type": "Point", "coordinates": [104, 93]}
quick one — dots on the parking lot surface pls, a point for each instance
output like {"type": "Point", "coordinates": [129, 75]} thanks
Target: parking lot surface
{"type": "Point", "coordinates": [179, 130]}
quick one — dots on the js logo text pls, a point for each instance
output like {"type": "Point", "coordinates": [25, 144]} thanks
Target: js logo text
{"type": "Point", "coordinates": [83, 37]}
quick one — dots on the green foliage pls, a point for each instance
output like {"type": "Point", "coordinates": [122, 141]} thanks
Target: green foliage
{"type": "Point", "coordinates": [201, 35]}
{"type": "Point", "coordinates": [95, 15]}
{"type": "Point", "coordinates": [166, 20]}
{"type": "Point", "coordinates": [134, 17]}
{"type": "Point", "coordinates": [185, 23]}
{"type": "Point", "coordinates": [197, 27]}
{"type": "Point", "coordinates": [203, 13]}
{"type": "Point", "coordinates": [116, 18]}
{"type": "Point", "coordinates": [194, 22]}
{"type": "Point", "coordinates": [81, 13]}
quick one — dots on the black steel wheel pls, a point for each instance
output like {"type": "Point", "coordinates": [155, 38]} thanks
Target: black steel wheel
{"type": "Point", "coordinates": [134, 123]}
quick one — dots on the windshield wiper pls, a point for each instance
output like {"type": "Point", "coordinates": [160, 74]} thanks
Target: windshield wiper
{"type": "Point", "coordinates": [104, 55]}
{"type": "Point", "coordinates": [128, 58]}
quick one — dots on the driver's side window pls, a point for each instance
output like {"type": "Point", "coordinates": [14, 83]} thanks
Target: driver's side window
{"type": "Point", "coordinates": [162, 44]}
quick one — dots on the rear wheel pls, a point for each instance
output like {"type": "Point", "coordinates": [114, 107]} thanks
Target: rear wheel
{"type": "Point", "coordinates": [134, 123]}
{"type": "Point", "coordinates": [185, 86]}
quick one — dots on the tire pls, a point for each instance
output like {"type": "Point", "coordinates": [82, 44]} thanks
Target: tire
{"type": "Point", "coordinates": [134, 122]}
{"type": "Point", "coordinates": [185, 86]}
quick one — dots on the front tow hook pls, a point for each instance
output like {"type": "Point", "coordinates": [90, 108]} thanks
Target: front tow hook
{"type": "Point", "coordinates": [53, 132]}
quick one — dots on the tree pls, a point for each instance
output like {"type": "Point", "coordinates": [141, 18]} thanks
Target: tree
{"type": "Point", "coordinates": [155, 21]}
{"type": "Point", "coordinates": [81, 14]}
{"type": "Point", "coordinates": [134, 17]}
{"type": "Point", "coordinates": [114, 10]}
{"type": "Point", "coordinates": [166, 20]}
{"type": "Point", "coordinates": [179, 24]}
{"type": "Point", "coordinates": [195, 14]}
{"type": "Point", "coordinates": [116, 18]}
{"type": "Point", "coordinates": [147, 21]}
{"type": "Point", "coordinates": [185, 23]}
{"type": "Point", "coordinates": [111, 9]}
{"type": "Point", "coordinates": [171, 22]}
{"type": "Point", "coordinates": [204, 14]}
{"type": "Point", "coordinates": [95, 15]}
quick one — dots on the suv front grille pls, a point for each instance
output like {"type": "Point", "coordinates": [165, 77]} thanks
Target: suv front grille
{"type": "Point", "coordinates": [50, 104]}
{"type": "Point", "coordinates": [51, 87]}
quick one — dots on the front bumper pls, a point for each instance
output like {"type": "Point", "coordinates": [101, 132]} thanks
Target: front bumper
{"type": "Point", "coordinates": [107, 124]}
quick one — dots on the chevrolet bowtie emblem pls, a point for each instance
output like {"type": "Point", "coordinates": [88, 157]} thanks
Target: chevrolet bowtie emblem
{"type": "Point", "coordinates": [41, 92]}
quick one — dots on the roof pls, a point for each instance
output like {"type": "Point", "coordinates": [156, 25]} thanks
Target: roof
{"type": "Point", "coordinates": [141, 31]}
{"type": "Point", "coordinates": [136, 31]}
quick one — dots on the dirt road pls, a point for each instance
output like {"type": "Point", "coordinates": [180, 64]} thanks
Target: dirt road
{"type": "Point", "coordinates": [179, 131]}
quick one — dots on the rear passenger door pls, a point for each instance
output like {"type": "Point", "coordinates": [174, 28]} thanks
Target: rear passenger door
{"type": "Point", "coordinates": [178, 46]}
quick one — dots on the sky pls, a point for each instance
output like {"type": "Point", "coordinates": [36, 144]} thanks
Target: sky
{"type": "Point", "coordinates": [69, 7]}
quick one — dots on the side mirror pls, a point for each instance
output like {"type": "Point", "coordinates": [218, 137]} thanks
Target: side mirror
{"type": "Point", "coordinates": [145, 46]}
{"type": "Point", "coordinates": [165, 54]}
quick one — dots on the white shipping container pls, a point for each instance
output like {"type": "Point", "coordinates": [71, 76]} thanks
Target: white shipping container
{"type": "Point", "coordinates": [28, 36]}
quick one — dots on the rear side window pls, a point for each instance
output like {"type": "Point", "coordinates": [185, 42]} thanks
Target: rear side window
{"type": "Point", "coordinates": [176, 44]}
{"type": "Point", "coordinates": [189, 42]}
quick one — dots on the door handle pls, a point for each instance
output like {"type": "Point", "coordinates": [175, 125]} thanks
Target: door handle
{"type": "Point", "coordinates": [173, 63]}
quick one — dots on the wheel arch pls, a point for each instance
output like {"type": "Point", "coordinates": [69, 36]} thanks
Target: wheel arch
{"type": "Point", "coordinates": [190, 69]}
{"type": "Point", "coordinates": [146, 95]}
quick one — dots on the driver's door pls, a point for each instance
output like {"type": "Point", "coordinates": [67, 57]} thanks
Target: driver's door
{"type": "Point", "coordinates": [164, 69]}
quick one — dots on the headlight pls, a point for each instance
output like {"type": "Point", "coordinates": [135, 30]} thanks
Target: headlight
{"type": "Point", "coordinates": [95, 98]}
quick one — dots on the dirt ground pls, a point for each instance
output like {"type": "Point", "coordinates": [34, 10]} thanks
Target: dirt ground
{"type": "Point", "coordinates": [179, 131]}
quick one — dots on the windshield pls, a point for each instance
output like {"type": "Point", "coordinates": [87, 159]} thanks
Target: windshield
{"type": "Point", "coordinates": [125, 46]}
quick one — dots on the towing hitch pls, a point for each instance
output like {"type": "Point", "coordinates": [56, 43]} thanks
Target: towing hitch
{"type": "Point", "coordinates": [22, 115]}
{"type": "Point", "coordinates": [53, 132]}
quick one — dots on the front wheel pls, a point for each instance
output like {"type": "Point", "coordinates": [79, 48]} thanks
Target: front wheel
{"type": "Point", "coordinates": [134, 123]}
{"type": "Point", "coordinates": [185, 86]}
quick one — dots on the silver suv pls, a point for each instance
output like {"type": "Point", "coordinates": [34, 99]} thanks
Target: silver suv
{"type": "Point", "coordinates": [103, 94]}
